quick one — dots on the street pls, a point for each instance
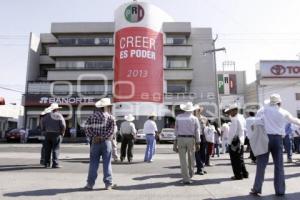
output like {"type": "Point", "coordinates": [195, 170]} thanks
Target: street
{"type": "Point", "coordinates": [23, 178]}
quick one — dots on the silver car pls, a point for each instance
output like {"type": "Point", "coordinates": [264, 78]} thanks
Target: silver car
{"type": "Point", "coordinates": [167, 135]}
{"type": "Point", "coordinates": [140, 136]}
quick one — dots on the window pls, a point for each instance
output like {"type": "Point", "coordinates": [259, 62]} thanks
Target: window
{"type": "Point", "coordinates": [176, 40]}
{"type": "Point", "coordinates": [298, 114]}
{"type": "Point", "coordinates": [44, 70]}
{"type": "Point", "coordinates": [89, 64]}
{"type": "Point", "coordinates": [85, 41]}
{"type": "Point", "coordinates": [177, 87]}
{"type": "Point", "coordinates": [177, 62]}
{"type": "Point", "coordinates": [45, 49]}
{"type": "Point", "coordinates": [32, 122]}
{"type": "Point", "coordinates": [297, 96]}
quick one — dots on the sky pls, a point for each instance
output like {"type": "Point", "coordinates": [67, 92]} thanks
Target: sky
{"type": "Point", "coordinates": [250, 30]}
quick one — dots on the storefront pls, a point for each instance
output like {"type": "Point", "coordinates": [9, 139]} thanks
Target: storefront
{"type": "Point", "coordinates": [282, 77]}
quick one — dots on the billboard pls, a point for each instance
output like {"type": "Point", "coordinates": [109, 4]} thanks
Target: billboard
{"type": "Point", "coordinates": [138, 66]}
{"type": "Point", "coordinates": [280, 69]}
{"type": "Point", "coordinates": [138, 62]}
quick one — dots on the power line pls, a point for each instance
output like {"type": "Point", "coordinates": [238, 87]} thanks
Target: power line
{"type": "Point", "coordinates": [13, 90]}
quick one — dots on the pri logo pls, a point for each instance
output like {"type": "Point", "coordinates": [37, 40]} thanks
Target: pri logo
{"type": "Point", "coordinates": [134, 13]}
{"type": "Point", "coordinates": [278, 70]}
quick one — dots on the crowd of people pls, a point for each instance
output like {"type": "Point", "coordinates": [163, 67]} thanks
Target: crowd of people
{"type": "Point", "coordinates": [197, 140]}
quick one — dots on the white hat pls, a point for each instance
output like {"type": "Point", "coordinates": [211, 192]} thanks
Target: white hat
{"type": "Point", "coordinates": [189, 106]}
{"type": "Point", "coordinates": [47, 110]}
{"type": "Point", "coordinates": [103, 103]}
{"type": "Point", "coordinates": [275, 99]}
{"type": "Point", "coordinates": [53, 106]}
{"type": "Point", "coordinates": [231, 107]}
{"type": "Point", "coordinates": [129, 118]}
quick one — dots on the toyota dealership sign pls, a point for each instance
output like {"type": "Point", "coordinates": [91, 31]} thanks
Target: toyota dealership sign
{"type": "Point", "coordinates": [280, 69]}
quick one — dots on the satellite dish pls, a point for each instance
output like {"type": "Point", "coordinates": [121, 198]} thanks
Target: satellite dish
{"type": "Point", "coordinates": [2, 101]}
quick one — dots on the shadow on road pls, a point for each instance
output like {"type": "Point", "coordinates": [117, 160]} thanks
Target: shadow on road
{"type": "Point", "coordinates": [291, 196]}
{"type": "Point", "coordinates": [4, 168]}
{"type": "Point", "coordinates": [47, 192]}
{"type": "Point", "coordinates": [149, 186]}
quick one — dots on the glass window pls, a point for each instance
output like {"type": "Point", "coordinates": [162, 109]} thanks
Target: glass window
{"type": "Point", "coordinates": [177, 87]}
{"type": "Point", "coordinates": [177, 62]}
{"type": "Point", "coordinates": [32, 122]}
{"type": "Point", "coordinates": [105, 64]}
{"type": "Point", "coordinates": [91, 64]}
{"type": "Point", "coordinates": [85, 41]}
{"type": "Point", "coordinates": [176, 40]}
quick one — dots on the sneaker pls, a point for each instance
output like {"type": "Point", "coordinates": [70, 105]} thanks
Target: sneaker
{"type": "Point", "coordinates": [56, 166]}
{"type": "Point", "coordinates": [254, 193]}
{"type": "Point", "coordinates": [110, 187]}
{"type": "Point", "coordinates": [187, 182]}
{"type": "Point", "coordinates": [88, 187]}
{"type": "Point", "coordinates": [290, 160]}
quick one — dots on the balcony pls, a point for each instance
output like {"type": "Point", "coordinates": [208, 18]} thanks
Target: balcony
{"type": "Point", "coordinates": [82, 27]}
{"type": "Point", "coordinates": [46, 60]}
{"type": "Point", "coordinates": [178, 50]}
{"type": "Point", "coordinates": [45, 88]}
{"type": "Point", "coordinates": [177, 27]}
{"type": "Point", "coordinates": [81, 51]}
{"type": "Point", "coordinates": [178, 74]}
{"type": "Point", "coordinates": [176, 99]}
{"type": "Point", "coordinates": [74, 75]}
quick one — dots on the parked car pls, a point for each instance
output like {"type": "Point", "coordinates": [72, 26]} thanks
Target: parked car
{"type": "Point", "coordinates": [35, 135]}
{"type": "Point", "coordinates": [14, 135]}
{"type": "Point", "coordinates": [140, 137]}
{"type": "Point", "coordinates": [167, 135]}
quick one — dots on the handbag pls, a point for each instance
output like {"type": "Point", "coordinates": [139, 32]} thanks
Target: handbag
{"type": "Point", "coordinates": [259, 142]}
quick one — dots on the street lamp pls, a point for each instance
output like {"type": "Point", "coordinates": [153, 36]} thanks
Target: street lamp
{"type": "Point", "coordinates": [213, 52]}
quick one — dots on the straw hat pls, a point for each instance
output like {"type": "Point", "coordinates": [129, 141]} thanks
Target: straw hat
{"type": "Point", "coordinates": [231, 107]}
{"type": "Point", "coordinates": [53, 106]}
{"type": "Point", "coordinates": [129, 118]}
{"type": "Point", "coordinates": [189, 107]}
{"type": "Point", "coordinates": [103, 103]}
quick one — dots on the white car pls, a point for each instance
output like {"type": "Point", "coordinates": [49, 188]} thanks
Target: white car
{"type": "Point", "coordinates": [167, 135]}
{"type": "Point", "coordinates": [140, 136]}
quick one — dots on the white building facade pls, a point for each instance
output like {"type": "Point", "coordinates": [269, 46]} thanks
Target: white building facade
{"type": "Point", "coordinates": [282, 77]}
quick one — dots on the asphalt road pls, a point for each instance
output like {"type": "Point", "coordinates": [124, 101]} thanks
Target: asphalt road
{"type": "Point", "coordinates": [21, 177]}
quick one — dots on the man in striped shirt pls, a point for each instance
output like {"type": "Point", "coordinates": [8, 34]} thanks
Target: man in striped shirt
{"type": "Point", "coordinates": [100, 128]}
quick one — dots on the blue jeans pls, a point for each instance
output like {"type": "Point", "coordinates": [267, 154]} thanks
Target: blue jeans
{"type": "Point", "coordinates": [275, 148]}
{"type": "Point", "coordinates": [150, 149]}
{"type": "Point", "coordinates": [288, 146]}
{"type": "Point", "coordinates": [103, 149]}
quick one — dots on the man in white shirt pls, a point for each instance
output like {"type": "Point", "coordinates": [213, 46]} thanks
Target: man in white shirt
{"type": "Point", "coordinates": [274, 118]}
{"type": "Point", "coordinates": [187, 131]}
{"type": "Point", "coordinates": [236, 138]}
{"type": "Point", "coordinates": [150, 130]}
{"type": "Point", "coordinates": [224, 135]}
{"type": "Point", "coordinates": [249, 122]}
{"type": "Point", "coordinates": [128, 133]}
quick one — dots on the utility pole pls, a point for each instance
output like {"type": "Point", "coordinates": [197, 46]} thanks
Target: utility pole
{"type": "Point", "coordinates": [213, 52]}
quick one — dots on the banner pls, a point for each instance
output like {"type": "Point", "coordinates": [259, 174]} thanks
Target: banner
{"type": "Point", "coordinates": [138, 65]}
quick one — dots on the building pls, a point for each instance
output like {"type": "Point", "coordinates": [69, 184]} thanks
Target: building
{"type": "Point", "coordinates": [73, 65]}
{"type": "Point", "coordinates": [282, 77]}
{"type": "Point", "coordinates": [11, 116]}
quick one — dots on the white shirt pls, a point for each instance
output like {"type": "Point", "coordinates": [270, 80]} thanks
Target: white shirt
{"type": "Point", "coordinates": [150, 127]}
{"type": "Point", "coordinates": [237, 127]}
{"type": "Point", "coordinates": [275, 119]}
{"type": "Point", "coordinates": [225, 131]}
{"type": "Point", "coordinates": [209, 132]}
{"type": "Point", "coordinates": [249, 122]}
